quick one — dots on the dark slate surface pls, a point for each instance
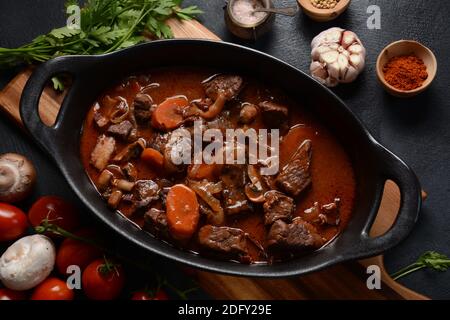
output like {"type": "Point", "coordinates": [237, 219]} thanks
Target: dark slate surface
{"type": "Point", "coordinates": [415, 129]}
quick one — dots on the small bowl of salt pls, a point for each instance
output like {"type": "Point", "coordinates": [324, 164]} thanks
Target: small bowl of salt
{"type": "Point", "coordinates": [245, 21]}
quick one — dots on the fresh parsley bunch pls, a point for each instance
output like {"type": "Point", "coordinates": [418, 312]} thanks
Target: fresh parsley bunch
{"type": "Point", "coordinates": [430, 259]}
{"type": "Point", "coordinates": [105, 26]}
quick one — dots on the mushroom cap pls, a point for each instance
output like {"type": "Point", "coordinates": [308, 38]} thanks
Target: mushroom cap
{"type": "Point", "coordinates": [17, 177]}
{"type": "Point", "coordinates": [27, 262]}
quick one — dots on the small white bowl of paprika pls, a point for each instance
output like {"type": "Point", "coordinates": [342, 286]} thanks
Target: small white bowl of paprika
{"type": "Point", "coordinates": [406, 68]}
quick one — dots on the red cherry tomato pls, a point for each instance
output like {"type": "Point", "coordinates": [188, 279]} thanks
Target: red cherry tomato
{"type": "Point", "coordinates": [75, 252]}
{"type": "Point", "coordinates": [13, 222]}
{"type": "Point", "coordinates": [8, 294]}
{"type": "Point", "coordinates": [52, 289]}
{"type": "Point", "coordinates": [101, 281]}
{"type": "Point", "coordinates": [56, 210]}
{"type": "Point", "coordinates": [144, 295]}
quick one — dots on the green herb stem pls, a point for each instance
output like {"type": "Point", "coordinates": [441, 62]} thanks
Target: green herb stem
{"type": "Point", "coordinates": [106, 26]}
{"type": "Point", "coordinates": [430, 259]}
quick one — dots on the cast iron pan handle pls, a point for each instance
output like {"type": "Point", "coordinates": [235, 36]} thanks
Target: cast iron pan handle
{"type": "Point", "coordinates": [391, 167]}
{"type": "Point", "coordinates": [29, 101]}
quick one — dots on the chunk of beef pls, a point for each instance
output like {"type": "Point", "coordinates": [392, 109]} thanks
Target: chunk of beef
{"type": "Point", "coordinates": [221, 122]}
{"type": "Point", "coordinates": [277, 206]}
{"type": "Point", "coordinates": [133, 150]}
{"type": "Point", "coordinates": [143, 108]}
{"type": "Point", "coordinates": [274, 114]}
{"type": "Point", "coordinates": [248, 113]}
{"type": "Point", "coordinates": [296, 176]}
{"type": "Point", "coordinates": [130, 171]}
{"type": "Point", "coordinates": [226, 85]}
{"type": "Point", "coordinates": [233, 181]}
{"type": "Point", "coordinates": [176, 151]}
{"type": "Point", "coordinates": [102, 152]}
{"type": "Point", "coordinates": [225, 240]}
{"type": "Point", "coordinates": [155, 221]}
{"type": "Point", "coordinates": [100, 120]}
{"type": "Point", "coordinates": [142, 101]}
{"type": "Point", "coordinates": [143, 116]}
{"type": "Point", "coordinates": [159, 141]}
{"type": "Point", "coordinates": [120, 130]}
{"type": "Point", "coordinates": [325, 214]}
{"type": "Point", "coordinates": [144, 192]}
{"type": "Point", "coordinates": [296, 236]}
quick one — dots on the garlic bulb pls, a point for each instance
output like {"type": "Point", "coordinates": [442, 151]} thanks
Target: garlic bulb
{"type": "Point", "coordinates": [338, 56]}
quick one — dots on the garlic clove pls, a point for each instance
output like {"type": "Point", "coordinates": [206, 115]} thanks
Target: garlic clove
{"type": "Point", "coordinates": [343, 65]}
{"type": "Point", "coordinates": [355, 60]}
{"type": "Point", "coordinates": [356, 49]}
{"type": "Point", "coordinates": [318, 71]}
{"type": "Point", "coordinates": [351, 75]}
{"type": "Point", "coordinates": [334, 70]}
{"type": "Point", "coordinates": [329, 57]}
{"type": "Point", "coordinates": [348, 38]}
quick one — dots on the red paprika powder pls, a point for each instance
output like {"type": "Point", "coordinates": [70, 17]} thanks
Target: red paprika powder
{"type": "Point", "coordinates": [405, 72]}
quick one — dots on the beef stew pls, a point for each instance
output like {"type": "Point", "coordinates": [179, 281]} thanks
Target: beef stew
{"type": "Point", "coordinates": [230, 211]}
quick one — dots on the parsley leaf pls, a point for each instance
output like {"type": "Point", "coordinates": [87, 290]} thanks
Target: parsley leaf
{"type": "Point", "coordinates": [105, 26]}
{"type": "Point", "coordinates": [57, 84]}
{"type": "Point", "coordinates": [430, 259]}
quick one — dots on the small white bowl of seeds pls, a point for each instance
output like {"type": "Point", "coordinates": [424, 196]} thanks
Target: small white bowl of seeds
{"type": "Point", "coordinates": [323, 10]}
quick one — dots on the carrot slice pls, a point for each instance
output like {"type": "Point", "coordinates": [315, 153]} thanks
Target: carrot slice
{"type": "Point", "coordinates": [168, 115]}
{"type": "Point", "coordinates": [204, 171]}
{"type": "Point", "coordinates": [153, 157]}
{"type": "Point", "coordinates": [182, 212]}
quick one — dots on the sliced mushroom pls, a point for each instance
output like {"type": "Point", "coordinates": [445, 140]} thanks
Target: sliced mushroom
{"type": "Point", "coordinates": [248, 113]}
{"type": "Point", "coordinates": [255, 189]}
{"type": "Point", "coordinates": [133, 150]}
{"type": "Point", "coordinates": [27, 262]}
{"type": "Point", "coordinates": [121, 111]}
{"type": "Point", "coordinates": [206, 190]}
{"type": "Point", "coordinates": [220, 88]}
{"type": "Point", "coordinates": [116, 171]}
{"type": "Point", "coordinates": [17, 177]}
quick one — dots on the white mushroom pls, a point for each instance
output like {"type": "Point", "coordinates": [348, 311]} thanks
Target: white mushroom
{"type": "Point", "coordinates": [338, 56]}
{"type": "Point", "coordinates": [17, 177]}
{"type": "Point", "coordinates": [27, 262]}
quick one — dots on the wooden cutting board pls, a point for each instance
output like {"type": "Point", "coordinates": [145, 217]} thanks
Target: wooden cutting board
{"type": "Point", "coordinates": [344, 281]}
